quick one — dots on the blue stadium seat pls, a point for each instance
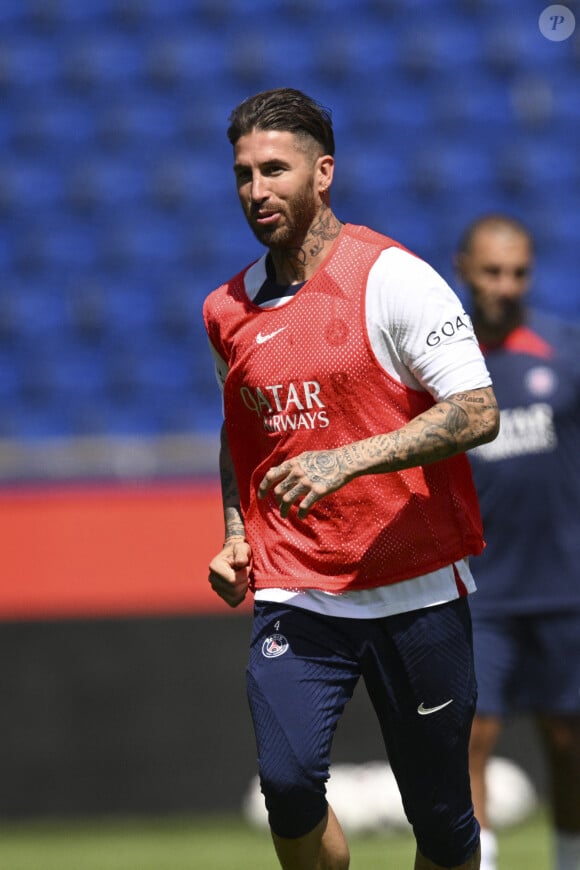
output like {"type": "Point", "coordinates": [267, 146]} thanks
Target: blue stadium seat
{"type": "Point", "coordinates": [29, 184]}
{"type": "Point", "coordinates": [60, 14]}
{"type": "Point", "coordinates": [129, 308]}
{"type": "Point", "coordinates": [8, 316]}
{"type": "Point", "coordinates": [555, 286]}
{"type": "Point", "coordinates": [6, 243]}
{"type": "Point", "coordinates": [195, 179]}
{"type": "Point", "coordinates": [412, 227]}
{"type": "Point", "coordinates": [12, 12]}
{"type": "Point", "coordinates": [555, 221]}
{"type": "Point", "coordinates": [88, 314]}
{"type": "Point", "coordinates": [103, 60]}
{"type": "Point", "coordinates": [31, 421]}
{"type": "Point", "coordinates": [167, 367]}
{"type": "Point", "coordinates": [149, 15]}
{"type": "Point", "coordinates": [214, 259]}
{"type": "Point", "coordinates": [178, 308]}
{"type": "Point", "coordinates": [532, 102]}
{"type": "Point", "coordinates": [117, 200]}
{"type": "Point", "coordinates": [6, 130]}
{"type": "Point", "coordinates": [353, 54]}
{"type": "Point", "coordinates": [56, 124]}
{"type": "Point", "coordinates": [38, 312]}
{"type": "Point", "coordinates": [141, 240]}
{"type": "Point", "coordinates": [539, 163]}
{"type": "Point", "coordinates": [130, 122]}
{"type": "Point", "coordinates": [451, 165]}
{"type": "Point", "coordinates": [134, 416]}
{"type": "Point", "coordinates": [56, 243]}
{"type": "Point", "coordinates": [436, 43]}
{"type": "Point", "coordinates": [394, 116]}
{"type": "Point", "coordinates": [396, 11]}
{"type": "Point", "coordinates": [153, 376]}
{"type": "Point", "coordinates": [185, 59]}
{"type": "Point", "coordinates": [129, 418]}
{"type": "Point", "coordinates": [564, 86]}
{"type": "Point", "coordinates": [512, 42]}
{"type": "Point", "coordinates": [451, 212]}
{"type": "Point", "coordinates": [69, 371]}
{"type": "Point", "coordinates": [203, 119]}
{"type": "Point", "coordinates": [184, 416]}
{"type": "Point", "coordinates": [103, 182]}
{"type": "Point", "coordinates": [10, 382]}
{"type": "Point", "coordinates": [473, 104]}
{"type": "Point", "coordinates": [289, 51]}
{"type": "Point", "coordinates": [484, 9]}
{"type": "Point", "coordinates": [29, 64]}
{"type": "Point", "coordinates": [370, 169]}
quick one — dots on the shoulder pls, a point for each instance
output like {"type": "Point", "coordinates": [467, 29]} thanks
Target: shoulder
{"type": "Point", "coordinates": [562, 336]}
{"type": "Point", "coordinates": [358, 233]}
{"type": "Point", "coordinates": [552, 327]}
{"type": "Point", "coordinates": [403, 276]}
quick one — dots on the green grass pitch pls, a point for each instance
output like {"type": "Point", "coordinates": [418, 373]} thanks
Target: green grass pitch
{"type": "Point", "coordinates": [217, 843]}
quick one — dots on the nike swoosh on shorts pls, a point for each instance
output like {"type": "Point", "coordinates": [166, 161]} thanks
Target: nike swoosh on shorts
{"type": "Point", "coordinates": [426, 711]}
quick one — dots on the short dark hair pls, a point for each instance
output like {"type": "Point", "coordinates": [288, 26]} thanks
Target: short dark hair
{"type": "Point", "coordinates": [283, 109]}
{"type": "Point", "coordinates": [492, 221]}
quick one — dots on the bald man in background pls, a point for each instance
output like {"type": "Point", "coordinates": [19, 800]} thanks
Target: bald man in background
{"type": "Point", "coordinates": [526, 611]}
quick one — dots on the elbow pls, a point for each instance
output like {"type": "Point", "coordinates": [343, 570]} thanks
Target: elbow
{"type": "Point", "coordinates": [496, 425]}
{"type": "Point", "coordinates": [490, 427]}
{"type": "Point", "coordinates": [488, 422]}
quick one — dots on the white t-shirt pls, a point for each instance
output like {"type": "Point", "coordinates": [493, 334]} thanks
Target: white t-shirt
{"type": "Point", "coordinates": [423, 338]}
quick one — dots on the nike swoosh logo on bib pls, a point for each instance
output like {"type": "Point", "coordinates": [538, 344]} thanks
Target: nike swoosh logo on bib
{"type": "Point", "coordinates": [260, 339]}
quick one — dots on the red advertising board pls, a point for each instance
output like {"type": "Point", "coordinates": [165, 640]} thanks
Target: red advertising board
{"type": "Point", "coordinates": [109, 550]}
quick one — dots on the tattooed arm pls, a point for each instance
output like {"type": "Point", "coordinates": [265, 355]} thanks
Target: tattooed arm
{"type": "Point", "coordinates": [233, 522]}
{"type": "Point", "coordinates": [229, 571]}
{"type": "Point", "coordinates": [452, 426]}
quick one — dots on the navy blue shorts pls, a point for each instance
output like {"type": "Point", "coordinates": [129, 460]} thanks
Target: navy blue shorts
{"type": "Point", "coordinates": [418, 670]}
{"type": "Point", "coordinates": [527, 663]}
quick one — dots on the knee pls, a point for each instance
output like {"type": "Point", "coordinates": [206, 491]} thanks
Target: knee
{"type": "Point", "coordinates": [294, 813]}
{"type": "Point", "coordinates": [296, 803]}
{"type": "Point", "coordinates": [447, 841]}
{"type": "Point", "coordinates": [562, 738]}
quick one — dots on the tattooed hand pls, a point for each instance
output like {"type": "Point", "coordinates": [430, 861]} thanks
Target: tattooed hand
{"type": "Point", "coordinates": [452, 426]}
{"type": "Point", "coordinates": [305, 479]}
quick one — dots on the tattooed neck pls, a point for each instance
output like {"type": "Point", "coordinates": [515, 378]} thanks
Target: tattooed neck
{"type": "Point", "coordinates": [298, 264]}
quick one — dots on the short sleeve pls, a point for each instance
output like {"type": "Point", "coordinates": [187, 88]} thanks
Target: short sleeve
{"type": "Point", "coordinates": [418, 328]}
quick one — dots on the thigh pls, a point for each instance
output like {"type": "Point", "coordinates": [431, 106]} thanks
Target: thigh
{"type": "Point", "coordinates": [420, 678]}
{"type": "Point", "coordinates": [301, 673]}
{"type": "Point", "coordinates": [552, 658]}
{"type": "Point", "coordinates": [497, 645]}
{"type": "Point", "coordinates": [421, 681]}
{"type": "Point", "coordinates": [528, 663]}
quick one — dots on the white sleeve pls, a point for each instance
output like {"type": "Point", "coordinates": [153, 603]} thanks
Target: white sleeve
{"type": "Point", "coordinates": [418, 328]}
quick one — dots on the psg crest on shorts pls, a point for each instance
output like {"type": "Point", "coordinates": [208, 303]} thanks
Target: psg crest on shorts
{"type": "Point", "coordinates": [275, 645]}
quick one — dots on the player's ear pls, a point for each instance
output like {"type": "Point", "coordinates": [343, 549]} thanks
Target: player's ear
{"type": "Point", "coordinates": [325, 172]}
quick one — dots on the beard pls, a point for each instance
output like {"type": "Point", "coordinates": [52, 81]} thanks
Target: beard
{"type": "Point", "coordinates": [296, 218]}
{"type": "Point", "coordinates": [502, 313]}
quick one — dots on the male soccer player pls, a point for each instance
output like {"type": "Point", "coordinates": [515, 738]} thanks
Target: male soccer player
{"type": "Point", "coordinates": [527, 608]}
{"type": "Point", "coordinates": [353, 384]}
